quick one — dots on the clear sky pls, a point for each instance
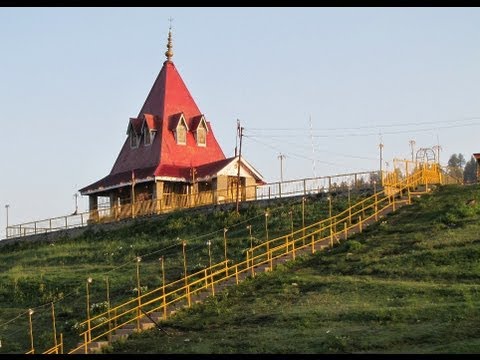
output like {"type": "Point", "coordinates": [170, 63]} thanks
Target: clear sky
{"type": "Point", "coordinates": [70, 78]}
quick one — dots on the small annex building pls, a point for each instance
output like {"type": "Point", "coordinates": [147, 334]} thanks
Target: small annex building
{"type": "Point", "coordinates": [170, 158]}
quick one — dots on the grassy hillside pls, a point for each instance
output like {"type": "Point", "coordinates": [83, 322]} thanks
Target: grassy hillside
{"type": "Point", "coordinates": [32, 275]}
{"type": "Point", "coordinates": [409, 284]}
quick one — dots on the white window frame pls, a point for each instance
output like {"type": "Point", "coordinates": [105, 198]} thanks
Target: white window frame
{"type": "Point", "coordinates": [181, 124]}
{"type": "Point", "coordinates": [197, 137]}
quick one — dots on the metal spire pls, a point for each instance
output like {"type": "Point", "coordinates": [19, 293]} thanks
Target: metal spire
{"type": "Point", "coordinates": [169, 52]}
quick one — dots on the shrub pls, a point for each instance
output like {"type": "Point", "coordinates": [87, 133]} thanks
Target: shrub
{"type": "Point", "coordinates": [353, 245]}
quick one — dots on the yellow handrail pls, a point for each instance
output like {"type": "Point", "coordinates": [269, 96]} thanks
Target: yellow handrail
{"type": "Point", "coordinates": [322, 233]}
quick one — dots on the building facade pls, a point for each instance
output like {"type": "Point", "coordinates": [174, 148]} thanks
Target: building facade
{"type": "Point", "coordinates": [170, 158]}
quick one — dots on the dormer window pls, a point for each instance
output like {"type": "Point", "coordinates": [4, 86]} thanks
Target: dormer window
{"type": "Point", "coordinates": [201, 136]}
{"type": "Point", "coordinates": [201, 131]}
{"type": "Point", "coordinates": [148, 136]}
{"type": "Point", "coordinates": [181, 131]}
{"type": "Point", "coordinates": [134, 132]}
{"type": "Point", "coordinates": [148, 129]}
{"type": "Point", "coordinates": [133, 140]}
{"type": "Point", "coordinates": [181, 134]}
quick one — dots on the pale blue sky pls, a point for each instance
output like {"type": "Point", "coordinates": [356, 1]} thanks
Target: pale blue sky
{"type": "Point", "coordinates": [70, 78]}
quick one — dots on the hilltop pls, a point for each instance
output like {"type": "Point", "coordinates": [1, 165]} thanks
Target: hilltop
{"type": "Point", "coordinates": [406, 284]}
{"type": "Point", "coordinates": [409, 284]}
{"type": "Point", "coordinates": [34, 274]}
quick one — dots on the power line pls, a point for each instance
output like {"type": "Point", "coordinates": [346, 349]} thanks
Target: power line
{"type": "Point", "coordinates": [318, 149]}
{"type": "Point", "coordinates": [373, 126]}
{"type": "Point", "coordinates": [290, 135]}
{"type": "Point", "coordinates": [301, 156]}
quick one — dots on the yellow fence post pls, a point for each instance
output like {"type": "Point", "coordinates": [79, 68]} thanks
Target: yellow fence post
{"type": "Point", "coordinates": [225, 249]}
{"type": "Point", "coordinates": [236, 273]}
{"type": "Point", "coordinates": [303, 220]}
{"type": "Point", "coordinates": [270, 256]}
{"type": "Point", "coordinates": [360, 224]}
{"type": "Point", "coordinates": [331, 236]}
{"type": "Point", "coordinates": [108, 310]}
{"type": "Point", "coordinates": [54, 329]}
{"type": "Point", "coordinates": [293, 249]}
{"type": "Point", "coordinates": [313, 244]}
{"type": "Point", "coordinates": [253, 269]}
{"type": "Point", "coordinates": [88, 334]}
{"type": "Point", "coordinates": [187, 293]}
{"type": "Point", "coordinates": [349, 207]}
{"type": "Point", "coordinates": [30, 313]}
{"type": "Point", "coordinates": [162, 261]}
{"type": "Point", "coordinates": [85, 336]}
{"type": "Point", "coordinates": [345, 230]}
{"type": "Point", "coordinates": [139, 293]}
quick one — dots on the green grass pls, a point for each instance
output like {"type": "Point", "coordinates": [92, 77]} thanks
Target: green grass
{"type": "Point", "coordinates": [409, 284]}
{"type": "Point", "coordinates": [32, 275]}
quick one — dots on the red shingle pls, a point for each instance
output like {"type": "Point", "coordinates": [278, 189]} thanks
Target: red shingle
{"type": "Point", "coordinates": [168, 96]}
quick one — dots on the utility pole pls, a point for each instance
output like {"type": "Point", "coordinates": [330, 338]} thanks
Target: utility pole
{"type": "Point", "coordinates": [381, 158]}
{"type": "Point", "coordinates": [437, 148]}
{"type": "Point", "coordinates": [313, 148]}
{"type": "Point", "coordinates": [412, 145]}
{"type": "Point", "coordinates": [6, 228]}
{"type": "Point", "coordinates": [76, 203]}
{"type": "Point", "coordinates": [236, 137]}
{"type": "Point", "coordinates": [281, 157]}
{"type": "Point", "coordinates": [240, 133]}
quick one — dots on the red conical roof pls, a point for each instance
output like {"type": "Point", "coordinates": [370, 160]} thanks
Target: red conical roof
{"type": "Point", "coordinates": [167, 100]}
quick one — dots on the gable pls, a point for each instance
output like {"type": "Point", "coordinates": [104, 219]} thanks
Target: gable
{"type": "Point", "coordinates": [176, 120]}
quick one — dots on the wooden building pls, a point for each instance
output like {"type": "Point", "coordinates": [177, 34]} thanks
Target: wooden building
{"type": "Point", "coordinates": [170, 158]}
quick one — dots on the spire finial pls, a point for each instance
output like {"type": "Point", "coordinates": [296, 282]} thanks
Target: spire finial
{"type": "Point", "coordinates": [169, 52]}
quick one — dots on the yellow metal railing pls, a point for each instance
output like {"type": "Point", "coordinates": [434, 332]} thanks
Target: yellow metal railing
{"type": "Point", "coordinates": [56, 349]}
{"type": "Point", "coordinates": [323, 233]}
{"type": "Point", "coordinates": [172, 201]}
